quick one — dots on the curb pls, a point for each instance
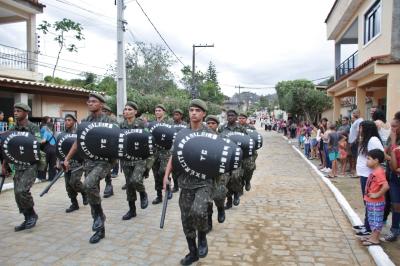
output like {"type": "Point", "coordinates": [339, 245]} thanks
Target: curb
{"type": "Point", "coordinates": [378, 254]}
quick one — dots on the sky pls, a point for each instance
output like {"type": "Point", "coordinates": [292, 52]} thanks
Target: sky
{"type": "Point", "coordinates": [257, 43]}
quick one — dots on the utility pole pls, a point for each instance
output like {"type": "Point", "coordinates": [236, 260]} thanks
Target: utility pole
{"type": "Point", "coordinates": [239, 87]}
{"type": "Point", "coordinates": [194, 90]}
{"type": "Point", "coordinates": [121, 67]}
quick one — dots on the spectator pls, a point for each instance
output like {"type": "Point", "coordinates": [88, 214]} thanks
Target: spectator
{"type": "Point", "coordinates": [314, 141]}
{"type": "Point", "coordinates": [325, 140]}
{"type": "Point", "coordinates": [3, 125]}
{"type": "Point", "coordinates": [345, 127]}
{"type": "Point", "coordinates": [375, 190]}
{"type": "Point", "coordinates": [369, 140]}
{"type": "Point", "coordinates": [320, 133]}
{"type": "Point", "coordinates": [49, 148]}
{"type": "Point", "coordinates": [353, 142]}
{"type": "Point", "coordinates": [333, 149]}
{"type": "Point", "coordinates": [307, 145]}
{"type": "Point", "coordinates": [343, 153]}
{"type": "Point", "coordinates": [392, 148]}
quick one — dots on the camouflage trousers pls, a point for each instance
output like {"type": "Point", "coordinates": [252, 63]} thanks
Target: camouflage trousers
{"type": "Point", "coordinates": [95, 171]}
{"type": "Point", "coordinates": [160, 163]}
{"type": "Point", "coordinates": [235, 181]}
{"type": "Point", "coordinates": [219, 190]}
{"type": "Point", "coordinates": [249, 165]}
{"type": "Point", "coordinates": [108, 178]}
{"type": "Point", "coordinates": [23, 181]}
{"type": "Point", "coordinates": [193, 204]}
{"type": "Point", "coordinates": [133, 172]}
{"type": "Point", "coordinates": [73, 183]}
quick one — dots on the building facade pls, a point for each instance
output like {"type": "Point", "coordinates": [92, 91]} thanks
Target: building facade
{"type": "Point", "coordinates": [371, 75]}
{"type": "Point", "coordinates": [20, 80]}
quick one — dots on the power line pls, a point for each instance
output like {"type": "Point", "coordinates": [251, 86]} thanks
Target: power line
{"type": "Point", "coordinates": [85, 9]}
{"type": "Point", "coordinates": [159, 34]}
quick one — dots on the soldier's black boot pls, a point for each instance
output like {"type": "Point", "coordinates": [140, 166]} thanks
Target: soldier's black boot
{"type": "Point", "coordinates": [158, 199]}
{"type": "Point", "coordinates": [236, 198]}
{"type": "Point", "coordinates": [131, 213]}
{"type": "Point", "coordinates": [203, 247]}
{"type": "Point", "coordinates": [221, 214]}
{"type": "Point", "coordinates": [228, 202]}
{"type": "Point", "coordinates": [21, 226]}
{"type": "Point", "coordinates": [248, 185]}
{"type": "Point", "coordinates": [176, 186]}
{"type": "Point", "coordinates": [99, 235]}
{"type": "Point", "coordinates": [209, 218]}
{"type": "Point", "coordinates": [84, 198]}
{"type": "Point", "coordinates": [74, 206]}
{"type": "Point", "coordinates": [169, 194]}
{"type": "Point", "coordinates": [108, 190]}
{"type": "Point", "coordinates": [123, 187]}
{"type": "Point", "coordinates": [146, 173]}
{"type": "Point", "coordinates": [192, 256]}
{"type": "Point", "coordinates": [31, 219]}
{"type": "Point", "coordinates": [98, 217]}
{"type": "Point", "coordinates": [144, 200]}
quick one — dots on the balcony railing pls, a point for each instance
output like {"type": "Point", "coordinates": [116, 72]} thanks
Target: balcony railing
{"type": "Point", "coordinates": [14, 58]}
{"type": "Point", "coordinates": [347, 66]}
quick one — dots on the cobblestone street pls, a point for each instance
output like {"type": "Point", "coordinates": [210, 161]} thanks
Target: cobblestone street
{"type": "Point", "coordinates": [288, 218]}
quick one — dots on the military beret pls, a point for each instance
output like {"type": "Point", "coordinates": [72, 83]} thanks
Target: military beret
{"type": "Point", "coordinates": [71, 116]}
{"type": "Point", "coordinates": [243, 114]}
{"type": "Point", "coordinates": [23, 106]}
{"type": "Point", "coordinates": [98, 96]}
{"type": "Point", "coordinates": [212, 117]}
{"type": "Point", "coordinates": [198, 103]}
{"type": "Point", "coordinates": [107, 108]}
{"type": "Point", "coordinates": [132, 104]}
{"type": "Point", "coordinates": [178, 111]}
{"type": "Point", "coordinates": [232, 111]}
{"type": "Point", "coordinates": [161, 106]}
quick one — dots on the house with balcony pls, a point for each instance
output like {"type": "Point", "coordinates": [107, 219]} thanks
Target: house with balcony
{"type": "Point", "coordinates": [20, 80]}
{"type": "Point", "coordinates": [371, 75]}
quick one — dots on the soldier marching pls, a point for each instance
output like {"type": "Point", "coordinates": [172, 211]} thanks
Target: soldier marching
{"type": "Point", "coordinates": [196, 194]}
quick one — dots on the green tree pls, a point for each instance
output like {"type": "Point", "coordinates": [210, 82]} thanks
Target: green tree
{"type": "Point", "coordinates": [62, 28]}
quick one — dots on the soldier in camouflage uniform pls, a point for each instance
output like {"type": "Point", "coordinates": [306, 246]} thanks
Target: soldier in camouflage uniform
{"type": "Point", "coordinates": [160, 157]}
{"type": "Point", "coordinates": [25, 176]}
{"type": "Point", "coordinates": [248, 164]}
{"type": "Point", "coordinates": [133, 170]}
{"type": "Point", "coordinates": [73, 182]}
{"type": "Point", "coordinates": [95, 170]}
{"type": "Point", "coordinates": [177, 116]}
{"type": "Point", "coordinates": [108, 189]}
{"type": "Point", "coordinates": [219, 186]}
{"type": "Point", "coordinates": [234, 184]}
{"type": "Point", "coordinates": [195, 194]}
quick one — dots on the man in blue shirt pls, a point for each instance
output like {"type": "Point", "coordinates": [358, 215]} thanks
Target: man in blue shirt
{"type": "Point", "coordinates": [49, 148]}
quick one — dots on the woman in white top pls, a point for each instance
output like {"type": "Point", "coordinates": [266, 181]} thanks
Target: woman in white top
{"type": "Point", "coordinates": [369, 139]}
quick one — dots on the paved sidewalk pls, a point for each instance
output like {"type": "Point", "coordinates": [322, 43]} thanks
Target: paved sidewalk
{"type": "Point", "coordinates": [289, 218]}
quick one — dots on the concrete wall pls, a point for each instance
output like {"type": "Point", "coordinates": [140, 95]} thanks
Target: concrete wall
{"type": "Point", "coordinates": [55, 105]}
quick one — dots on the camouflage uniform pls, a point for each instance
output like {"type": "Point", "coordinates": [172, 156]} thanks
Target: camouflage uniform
{"type": "Point", "coordinates": [174, 175]}
{"type": "Point", "coordinates": [25, 175]}
{"type": "Point", "coordinates": [249, 164]}
{"type": "Point", "coordinates": [194, 200]}
{"type": "Point", "coordinates": [108, 190]}
{"type": "Point", "coordinates": [159, 163]}
{"type": "Point", "coordinates": [73, 183]}
{"type": "Point", "coordinates": [233, 179]}
{"type": "Point", "coordinates": [133, 170]}
{"type": "Point", "coordinates": [96, 170]}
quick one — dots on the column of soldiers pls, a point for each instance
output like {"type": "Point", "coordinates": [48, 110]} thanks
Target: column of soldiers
{"type": "Point", "coordinates": [196, 195]}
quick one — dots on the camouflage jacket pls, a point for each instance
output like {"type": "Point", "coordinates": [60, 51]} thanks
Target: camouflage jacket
{"type": "Point", "coordinates": [226, 128]}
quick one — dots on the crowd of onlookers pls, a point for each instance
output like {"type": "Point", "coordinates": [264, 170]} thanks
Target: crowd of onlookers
{"type": "Point", "coordinates": [358, 148]}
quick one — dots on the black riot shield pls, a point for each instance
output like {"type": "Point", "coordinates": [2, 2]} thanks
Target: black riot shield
{"type": "Point", "coordinates": [257, 138]}
{"type": "Point", "coordinates": [204, 154]}
{"type": "Point", "coordinates": [100, 141]}
{"type": "Point", "coordinates": [163, 135]}
{"type": "Point", "coordinates": [138, 144]}
{"type": "Point", "coordinates": [64, 144]}
{"type": "Point", "coordinates": [21, 147]}
{"type": "Point", "coordinates": [244, 141]}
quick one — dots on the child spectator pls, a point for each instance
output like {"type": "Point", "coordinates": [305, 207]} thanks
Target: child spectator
{"type": "Point", "coordinates": [307, 145]}
{"type": "Point", "coordinates": [343, 153]}
{"type": "Point", "coordinates": [314, 141]}
{"type": "Point", "coordinates": [374, 197]}
{"type": "Point", "coordinates": [333, 149]}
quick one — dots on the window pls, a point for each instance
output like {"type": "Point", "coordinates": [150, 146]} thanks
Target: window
{"type": "Point", "coordinates": [372, 22]}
